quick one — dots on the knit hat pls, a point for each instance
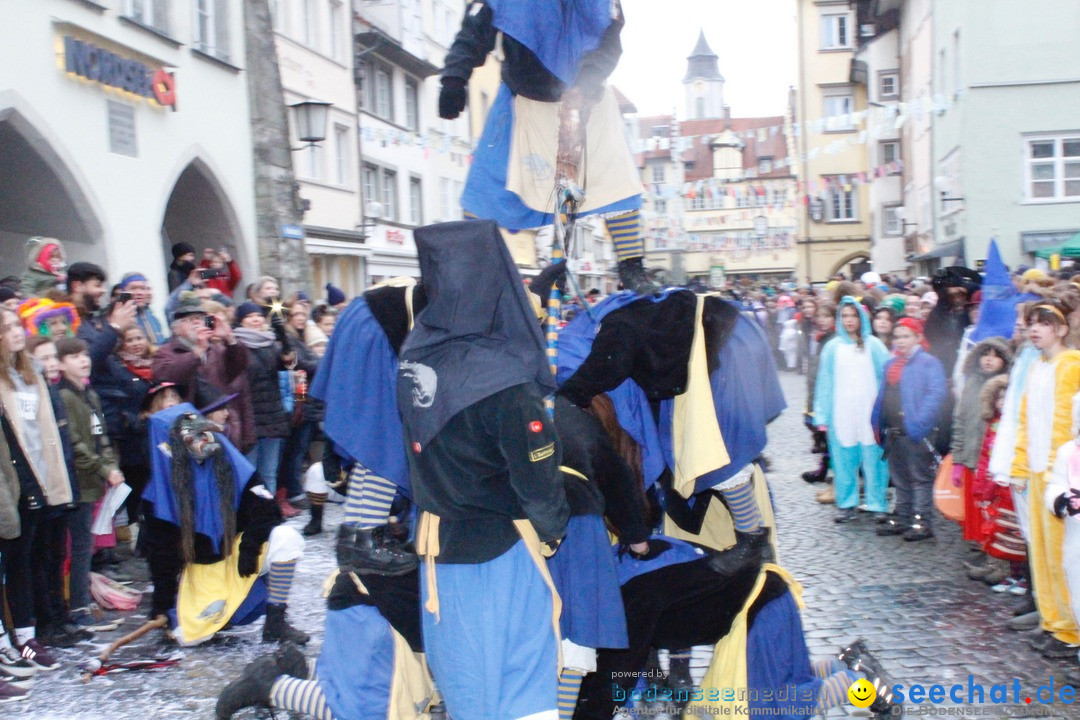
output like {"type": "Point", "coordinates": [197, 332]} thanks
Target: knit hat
{"type": "Point", "coordinates": [190, 304]}
{"type": "Point", "coordinates": [181, 248]}
{"type": "Point", "coordinates": [334, 296]}
{"type": "Point", "coordinates": [245, 309]}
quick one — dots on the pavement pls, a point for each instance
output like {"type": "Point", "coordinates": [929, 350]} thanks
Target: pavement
{"type": "Point", "coordinates": [920, 614]}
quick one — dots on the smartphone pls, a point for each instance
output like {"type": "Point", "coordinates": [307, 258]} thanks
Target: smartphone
{"type": "Point", "coordinates": [124, 297]}
{"type": "Point", "coordinates": [208, 321]}
{"type": "Point", "coordinates": [207, 273]}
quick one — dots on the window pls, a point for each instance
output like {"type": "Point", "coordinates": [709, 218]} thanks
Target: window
{"type": "Point", "coordinates": [891, 223]}
{"type": "Point", "coordinates": [699, 108]}
{"type": "Point", "coordinates": [1053, 168]}
{"type": "Point", "coordinates": [838, 110]}
{"type": "Point", "coordinates": [890, 151]}
{"type": "Point", "coordinates": [416, 201]}
{"type": "Point", "coordinates": [842, 203]}
{"type": "Point", "coordinates": [371, 184]}
{"type": "Point", "coordinates": [888, 85]}
{"type": "Point", "coordinates": [658, 173]}
{"type": "Point", "coordinates": [313, 167]}
{"type": "Point", "coordinates": [389, 196]}
{"type": "Point", "coordinates": [341, 157]}
{"type": "Point", "coordinates": [384, 99]}
{"type": "Point", "coordinates": [412, 104]}
{"type": "Point", "coordinates": [309, 23]}
{"type": "Point", "coordinates": [212, 28]}
{"type": "Point", "coordinates": [764, 165]}
{"type": "Point", "coordinates": [151, 13]}
{"type": "Point", "coordinates": [660, 206]}
{"type": "Point", "coordinates": [835, 32]}
{"type": "Point", "coordinates": [335, 30]}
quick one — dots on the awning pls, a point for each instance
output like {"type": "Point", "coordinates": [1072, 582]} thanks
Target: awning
{"type": "Point", "coordinates": [1070, 248]}
{"type": "Point", "coordinates": [382, 44]}
{"type": "Point", "coordinates": [944, 250]}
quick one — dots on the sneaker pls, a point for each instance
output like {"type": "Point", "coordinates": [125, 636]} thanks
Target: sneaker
{"type": "Point", "coordinates": [115, 574]}
{"type": "Point", "coordinates": [826, 496]}
{"type": "Point", "coordinates": [12, 663]}
{"type": "Point", "coordinates": [1029, 621]}
{"type": "Point", "coordinates": [1020, 587]}
{"type": "Point", "coordinates": [845, 515]}
{"type": "Point", "coordinates": [86, 619]}
{"type": "Point", "coordinates": [10, 693]}
{"type": "Point", "coordinates": [892, 526]}
{"type": "Point", "coordinates": [37, 654]}
{"type": "Point", "coordinates": [1005, 585]}
{"type": "Point", "coordinates": [72, 628]}
{"type": "Point", "coordinates": [23, 683]}
{"type": "Point", "coordinates": [1057, 650]}
{"type": "Point", "coordinates": [1025, 605]}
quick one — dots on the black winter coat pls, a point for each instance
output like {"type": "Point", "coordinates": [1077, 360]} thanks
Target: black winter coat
{"type": "Point", "coordinates": [122, 392]}
{"type": "Point", "coordinates": [264, 364]}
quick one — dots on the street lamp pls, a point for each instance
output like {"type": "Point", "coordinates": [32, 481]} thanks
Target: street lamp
{"type": "Point", "coordinates": [309, 119]}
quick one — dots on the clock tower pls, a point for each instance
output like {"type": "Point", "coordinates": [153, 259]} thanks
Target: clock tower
{"type": "Point", "coordinates": [704, 85]}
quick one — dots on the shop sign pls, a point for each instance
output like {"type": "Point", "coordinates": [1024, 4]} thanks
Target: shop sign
{"type": "Point", "coordinates": [96, 64]}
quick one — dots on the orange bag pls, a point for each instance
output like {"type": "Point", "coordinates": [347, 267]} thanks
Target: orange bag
{"type": "Point", "coordinates": [948, 498]}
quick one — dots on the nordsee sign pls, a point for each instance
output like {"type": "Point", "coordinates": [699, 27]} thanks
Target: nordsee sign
{"type": "Point", "coordinates": [105, 67]}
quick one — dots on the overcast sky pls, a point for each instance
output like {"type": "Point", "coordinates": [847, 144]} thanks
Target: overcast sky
{"type": "Point", "coordinates": [754, 39]}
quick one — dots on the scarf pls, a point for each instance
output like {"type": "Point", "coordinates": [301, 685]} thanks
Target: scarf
{"type": "Point", "coordinates": [896, 369]}
{"type": "Point", "coordinates": [254, 339]}
{"type": "Point", "coordinates": [139, 365]}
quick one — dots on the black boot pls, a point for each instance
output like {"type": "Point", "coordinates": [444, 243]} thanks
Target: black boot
{"type": "Point", "coordinates": [314, 526]}
{"type": "Point", "coordinates": [679, 671]}
{"type": "Point", "coordinates": [250, 689]}
{"type": "Point", "coordinates": [632, 276]}
{"type": "Point", "coordinates": [816, 476]}
{"type": "Point", "coordinates": [745, 554]}
{"type": "Point", "coordinates": [372, 555]}
{"type": "Point", "coordinates": [343, 548]}
{"type": "Point", "coordinates": [919, 530]}
{"type": "Point", "coordinates": [277, 629]}
{"type": "Point", "coordinates": [291, 661]}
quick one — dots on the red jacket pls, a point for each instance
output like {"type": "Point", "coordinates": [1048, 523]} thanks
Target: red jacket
{"type": "Point", "coordinates": [225, 286]}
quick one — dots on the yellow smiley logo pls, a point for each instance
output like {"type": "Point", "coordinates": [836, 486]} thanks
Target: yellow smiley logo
{"type": "Point", "coordinates": [862, 693]}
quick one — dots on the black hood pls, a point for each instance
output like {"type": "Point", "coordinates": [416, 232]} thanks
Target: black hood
{"type": "Point", "coordinates": [478, 334]}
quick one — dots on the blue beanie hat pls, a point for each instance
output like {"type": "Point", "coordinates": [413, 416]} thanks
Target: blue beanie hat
{"type": "Point", "coordinates": [334, 296]}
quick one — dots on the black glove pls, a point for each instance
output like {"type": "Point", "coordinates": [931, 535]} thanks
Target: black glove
{"type": "Point", "coordinates": [656, 549]}
{"type": "Point", "coordinates": [451, 98]}
{"type": "Point", "coordinates": [553, 274]}
{"type": "Point", "coordinates": [1072, 502]}
{"type": "Point", "coordinates": [246, 563]}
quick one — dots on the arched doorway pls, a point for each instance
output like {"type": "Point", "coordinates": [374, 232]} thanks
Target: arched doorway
{"type": "Point", "coordinates": [199, 213]}
{"type": "Point", "coordinates": [853, 265]}
{"type": "Point", "coordinates": [40, 196]}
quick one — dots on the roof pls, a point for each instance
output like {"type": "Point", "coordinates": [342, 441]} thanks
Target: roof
{"type": "Point", "coordinates": [626, 106]}
{"type": "Point", "coordinates": [702, 62]}
{"type": "Point", "coordinates": [757, 135]}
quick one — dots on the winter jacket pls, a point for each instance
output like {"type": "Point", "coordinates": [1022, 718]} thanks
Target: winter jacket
{"type": "Point", "coordinates": [813, 360]}
{"type": "Point", "coordinates": [178, 274]}
{"type": "Point", "coordinates": [522, 71]}
{"type": "Point", "coordinates": [224, 285]}
{"type": "Point", "coordinates": [825, 383]}
{"type": "Point", "coordinates": [968, 425]}
{"type": "Point", "coordinates": [223, 367]}
{"type": "Point", "coordinates": [56, 483]}
{"type": "Point", "coordinates": [101, 339]}
{"type": "Point", "coordinates": [122, 392]}
{"type": "Point", "coordinates": [36, 282]}
{"type": "Point", "coordinates": [922, 395]}
{"type": "Point", "coordinates": [60, 413]}
{"type": "Point", "coordinates": [10, 492]}
{"type": "Point", "coordinates": [94, 456]}
{"type": "Point", "coordinates": [271, 420]}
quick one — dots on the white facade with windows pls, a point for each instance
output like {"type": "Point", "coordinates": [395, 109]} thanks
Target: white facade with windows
{"type": "Point", "coordinates": [314, 47]}
{"type": "Point", "coordinates": [413, 162]}
{"type": "Point", "coordinates": [124, 127]}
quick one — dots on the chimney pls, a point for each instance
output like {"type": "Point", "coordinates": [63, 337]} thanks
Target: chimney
{"type": "Point", "coordinates": [727, 116]}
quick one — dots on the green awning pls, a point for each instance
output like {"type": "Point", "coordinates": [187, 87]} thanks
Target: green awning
{"type": "Point", "coordinates": [1070, 248]}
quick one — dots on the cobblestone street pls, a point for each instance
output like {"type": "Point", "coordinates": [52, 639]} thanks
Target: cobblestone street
{"type": "Point", "coordinates": [926, 621]}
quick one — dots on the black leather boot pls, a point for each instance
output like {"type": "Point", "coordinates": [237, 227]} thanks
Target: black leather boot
{"type": "Point", "coordinates": [372, 554]}
{"type": "Point", "coordinates": [314, 526]}
{"type": "Point", "coordinates": [277, 629]}
{"type": "Point", "coordinates": [632, 276]}
{"type": "Point", "coordinates": [252, 689]}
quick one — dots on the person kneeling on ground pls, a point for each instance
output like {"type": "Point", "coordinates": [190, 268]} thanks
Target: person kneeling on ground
{"type": "Point", "coordinates": [217, 550]}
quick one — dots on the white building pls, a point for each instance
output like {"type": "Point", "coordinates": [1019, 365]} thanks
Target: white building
{"type": "Point", "coordinates": [124, 127]}
{"type": "Point", "coordinates": [414, 163]}
{"type": "Point", "coordinates": [315, 56]}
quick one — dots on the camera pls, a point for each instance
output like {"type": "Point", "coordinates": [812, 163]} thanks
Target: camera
{"type": "Point", "coordinates": [208, 321]}
{"type": "Point", "coordinates": [124, 297]}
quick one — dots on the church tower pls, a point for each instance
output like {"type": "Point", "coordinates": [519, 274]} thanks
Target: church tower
{"type": "Point", "coordinates": [703, 82]}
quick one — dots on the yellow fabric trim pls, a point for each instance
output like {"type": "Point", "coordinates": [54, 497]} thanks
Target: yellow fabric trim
{"type": "Point", "coordinates": [698, 444]}
{"type": "Point", "coordinates": [572, 471]}
{"type": "Point", "coordinates": [412, 692]}
{"type": "Point", "coordinates": [727, 671]}
{"type": "Point", "coordinates": [203, 587]}
{"type": "Point", "coordinates": [427, 547]}
{"type": "Point", "coordinates": [532, 544]}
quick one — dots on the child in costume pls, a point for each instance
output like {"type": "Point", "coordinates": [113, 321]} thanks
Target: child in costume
{"type": "Point", "coordinates": [1045, 425]}
{"type": "Point", "coordinates": [848, 381]}
{"type": "Point", "coordinates": [43, 316]}
{"type": "Point", "coordinates": [217, 550]}
{"type": "Point", "coordinates": [906, 410]}
{"type": "Point", "coordinates": [824, 330]}
{"type": "Point", "coordinates": [986, 360]}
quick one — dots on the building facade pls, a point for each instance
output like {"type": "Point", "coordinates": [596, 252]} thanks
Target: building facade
{"type": "Point", "coordinates": [834, 231]}
{"type": "Point", "coordinates": [124, 128]}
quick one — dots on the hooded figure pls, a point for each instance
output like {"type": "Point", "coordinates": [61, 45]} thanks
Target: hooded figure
{"type": "Point", "coordinates": [484, 461]}
{"type": "Point", "coordinates": [849, 376]}
{"type": "Point", "coordinates": [46, 269]}
{"type": "Point", "coordinates": [212, 529]}
{"type": "Point", "coordinates": [556, 56]}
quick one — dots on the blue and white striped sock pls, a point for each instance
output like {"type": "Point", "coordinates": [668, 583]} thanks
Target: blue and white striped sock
{"type": "Point", "coordinates": [279, 582]}
{"type": "Point", "coordinates": [302, 696]}
{"type": "Point", "coordinates": [743, 507]}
